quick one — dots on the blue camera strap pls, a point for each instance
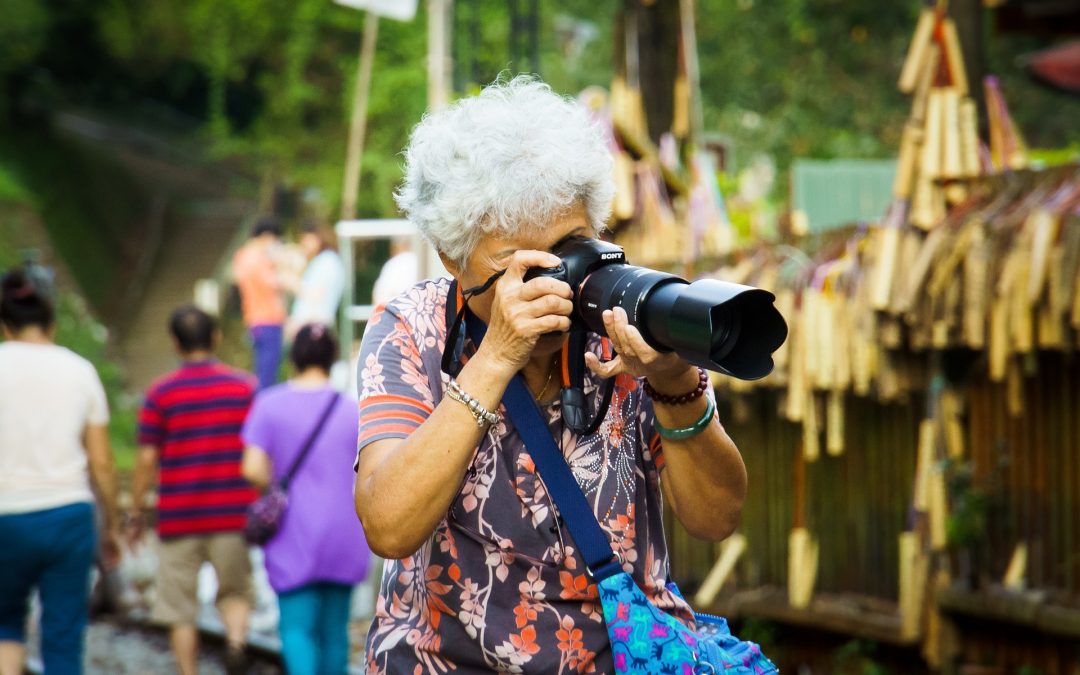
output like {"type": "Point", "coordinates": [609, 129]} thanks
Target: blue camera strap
{"type": "Point", "coordinates": [592, 542]}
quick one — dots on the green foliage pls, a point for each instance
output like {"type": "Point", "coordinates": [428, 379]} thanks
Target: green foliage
{"type": "Point", "coordinates": [1056, 156]}
{"type": "Point", "coordinates": [857, 658]}
{"type": "Point", "coordinates": [972, 500]}
{"type": "Point", "coordinates": [77, 330]}
{"type": "Point", "coordinates": [23, 26]}
{"type": "Point", "coordinates": [11, 188]}
{"type": "Point", "coordinates": [813, 78]}
{"type": "Point", "coordinates": [761, 631]}
{"type": "Point", "coordinates": [817, 78]}
{"type": "Point", "coordinates": [86, 203]}
{"type": "Point", "coordinates": [270, 81]}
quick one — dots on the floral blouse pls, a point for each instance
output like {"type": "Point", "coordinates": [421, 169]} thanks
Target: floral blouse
{"type": "Point", "coordinates": [500, 586]}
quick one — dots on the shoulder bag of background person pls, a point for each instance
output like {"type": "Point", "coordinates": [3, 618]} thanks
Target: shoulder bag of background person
{"type": "Point", "coordinates": [264, 515]}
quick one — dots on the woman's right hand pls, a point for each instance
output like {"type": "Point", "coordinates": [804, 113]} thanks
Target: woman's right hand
{"type": "Point", "coordinates": [521, 312]}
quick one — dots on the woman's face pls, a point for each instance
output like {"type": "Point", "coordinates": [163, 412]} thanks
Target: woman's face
{"type": "Point", "coordinates": [493, 254]}
{"type": "Point", "coordinates": [310, 244]}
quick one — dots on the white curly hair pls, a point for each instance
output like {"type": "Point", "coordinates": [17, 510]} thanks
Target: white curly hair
{"type": "Point", "coordinates": [513, 157]}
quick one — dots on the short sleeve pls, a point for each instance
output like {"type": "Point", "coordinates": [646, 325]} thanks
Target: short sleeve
{"type": "Point", "coordinates": [151, 422]}
{"type": "Point", "coordinates": [394, 390]}
{"type": "Point", "coordinates": [257, 429]}
{"type": "Point", "coordinates": [98, 411]}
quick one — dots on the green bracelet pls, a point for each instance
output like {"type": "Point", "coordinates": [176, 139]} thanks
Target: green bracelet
{"type": "Point", "coordinates": [692, 430]}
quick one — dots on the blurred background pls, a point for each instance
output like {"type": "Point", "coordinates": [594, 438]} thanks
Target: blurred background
{"type": "Point", "coordinates": [903, 175]}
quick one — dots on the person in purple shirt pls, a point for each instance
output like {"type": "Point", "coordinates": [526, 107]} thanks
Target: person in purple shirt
{"type": "Point", "coordinates": [319, 552]}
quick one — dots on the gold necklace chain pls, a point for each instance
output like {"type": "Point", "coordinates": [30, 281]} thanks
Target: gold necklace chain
{"type": "Point", "coordinates": [551, 372]}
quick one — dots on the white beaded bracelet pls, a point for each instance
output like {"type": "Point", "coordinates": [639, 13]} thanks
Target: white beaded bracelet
{"type": "Point", "coordinates": [483, 415]}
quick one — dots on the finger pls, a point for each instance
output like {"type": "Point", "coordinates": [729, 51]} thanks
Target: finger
{"type": "Point", "coordinates": [541, 286]}
{"type": "Point", "coordinates": [549, 323]}
{"type": "Point", "coordinates": [521, 261]}
{"type": "Point", "coordinates": [633, 341]}
{"type": "Point", "coordinates": [604, 369]}
{"type": "Point", "coordinates": [548, 304]}
{"type": "Point", "coordinates": [612, 328]}
{"type": "Point", "coordinates": [620, 322]}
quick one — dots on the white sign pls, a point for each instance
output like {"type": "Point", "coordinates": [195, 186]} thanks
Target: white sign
{"type": "Point", "coordinates": [402, 10]}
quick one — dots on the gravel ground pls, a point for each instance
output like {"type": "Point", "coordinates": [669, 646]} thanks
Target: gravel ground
{"type": "Point", "coordinates": [125, 651]}
{"type": "Point", "coordinates": [115, 649]}
{"type": "Point", "coordinates": [120, 648]}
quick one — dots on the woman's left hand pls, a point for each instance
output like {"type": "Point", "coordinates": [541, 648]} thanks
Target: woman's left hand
{"type": "Point", "coordinates": [634, 356]}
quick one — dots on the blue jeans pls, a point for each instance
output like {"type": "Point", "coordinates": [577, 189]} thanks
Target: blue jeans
{"type": "Point", "coordinates": [266, 347]}
{"type": "Point", "coordinates": [314, 629]}
{"type": "Point", "coordinates": [51, 550]}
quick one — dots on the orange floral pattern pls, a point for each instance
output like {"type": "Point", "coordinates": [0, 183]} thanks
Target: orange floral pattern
{"type": "Point", "coordinates": [500, 586]}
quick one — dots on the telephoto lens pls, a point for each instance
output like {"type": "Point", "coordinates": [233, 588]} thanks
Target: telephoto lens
{"type": "Point", "coordinates": [721, 326]}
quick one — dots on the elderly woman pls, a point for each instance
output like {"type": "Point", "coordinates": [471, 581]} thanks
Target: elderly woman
{"type": "Point", "coordinates": [482, 574]}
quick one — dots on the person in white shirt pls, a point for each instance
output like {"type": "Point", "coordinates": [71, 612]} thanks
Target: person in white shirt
{"type": "Point", "coordinates": [318, 294]}
{"type": "Point", "coordinates": [398, 274]}
{"type": "Point", "coordinates": [54, 446]}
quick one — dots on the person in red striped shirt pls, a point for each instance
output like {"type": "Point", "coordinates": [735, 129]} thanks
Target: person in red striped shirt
{"type": "Point", "coordinates": [189, 435]}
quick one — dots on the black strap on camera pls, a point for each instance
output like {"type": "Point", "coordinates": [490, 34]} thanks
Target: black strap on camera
{"type": "Point", "coordinates": [572, 396]}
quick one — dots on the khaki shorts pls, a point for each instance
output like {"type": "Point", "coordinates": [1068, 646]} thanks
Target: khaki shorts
{"type": "Point", "coordinates": [178, 574]}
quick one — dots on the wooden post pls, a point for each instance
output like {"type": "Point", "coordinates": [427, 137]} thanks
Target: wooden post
{"type": "Point", "coordinates": [968, 15]}
{"type": "Point", "coordinates": [656, 25]}
{"type": "Point", "coordinates": [358, 121]}
{"type": "Point", "coordinates": [438, 57]}
{"type": "Point", "coordinates": [688, 15]}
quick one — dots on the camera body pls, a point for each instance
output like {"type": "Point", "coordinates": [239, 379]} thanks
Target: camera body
{"type": "Point", "coordinates": [730, 328]}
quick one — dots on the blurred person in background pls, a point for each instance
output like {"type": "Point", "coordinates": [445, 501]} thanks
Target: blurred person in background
{"type": "Point", "coordinates": [319, 291]}
{"type": "Point", "coordinates": [54, 445]}
{"type": "Point", "coordinates": [319, 553]}
{"type": "Point", "coordinates": [262, 298]}
{"type": "Point", "coordinates": [190, 425]}
{"type": "Point", "coordinates": [398, 274]}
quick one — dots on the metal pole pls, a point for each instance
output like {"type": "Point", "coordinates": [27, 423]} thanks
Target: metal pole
{"type": "Point", "coordinates": [345, 250]}
{"type": "Point", "coordinates": [358, 122]}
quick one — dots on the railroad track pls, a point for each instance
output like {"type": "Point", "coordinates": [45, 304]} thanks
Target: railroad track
{"type": "Point", "coordinates": [125, 647]}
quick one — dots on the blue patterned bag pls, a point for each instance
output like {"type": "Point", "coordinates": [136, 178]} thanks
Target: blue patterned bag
{"type": "Point", "coordinates": [645, 640]}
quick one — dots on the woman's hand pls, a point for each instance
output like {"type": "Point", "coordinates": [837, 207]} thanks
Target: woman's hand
{"type": "Point", "coordinates": [521, 312]}
{"type": "Point", "coordinates": [667, 373]}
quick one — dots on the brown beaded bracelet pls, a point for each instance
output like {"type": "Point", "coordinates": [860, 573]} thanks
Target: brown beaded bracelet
{"type": "Point", "coordinates": [698, 392]}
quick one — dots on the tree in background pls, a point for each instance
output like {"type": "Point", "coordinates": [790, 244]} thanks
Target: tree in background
{"type": "Point", "coordinates": [267, 82]}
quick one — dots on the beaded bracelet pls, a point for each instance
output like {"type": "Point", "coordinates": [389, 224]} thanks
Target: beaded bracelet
{"type": "Point", "coordinates": [690, 431]}
{"type": "Point", "coordinates": [480, 413]}
{"type": "Point", "coordinates": [703, 384]}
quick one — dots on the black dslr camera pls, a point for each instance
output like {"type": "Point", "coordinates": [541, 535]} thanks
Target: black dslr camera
{"type": "Point", "coordinates": [717, 325]}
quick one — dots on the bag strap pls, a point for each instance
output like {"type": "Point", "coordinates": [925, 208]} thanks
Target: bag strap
{"type": "Point", "coordinates": [575, 510]}
{"type": "Point", "coordinates": [312, 437]}
{"type": "Point", "coordinates": [561, 484]}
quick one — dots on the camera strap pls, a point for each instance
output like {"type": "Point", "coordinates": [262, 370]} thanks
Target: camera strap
{"type": "Point", "coordinates": [455, 330]}
{"type": "Point", "coordinates": [574, 404]}
{"type": "Point", "coordinates": [575, 408]}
